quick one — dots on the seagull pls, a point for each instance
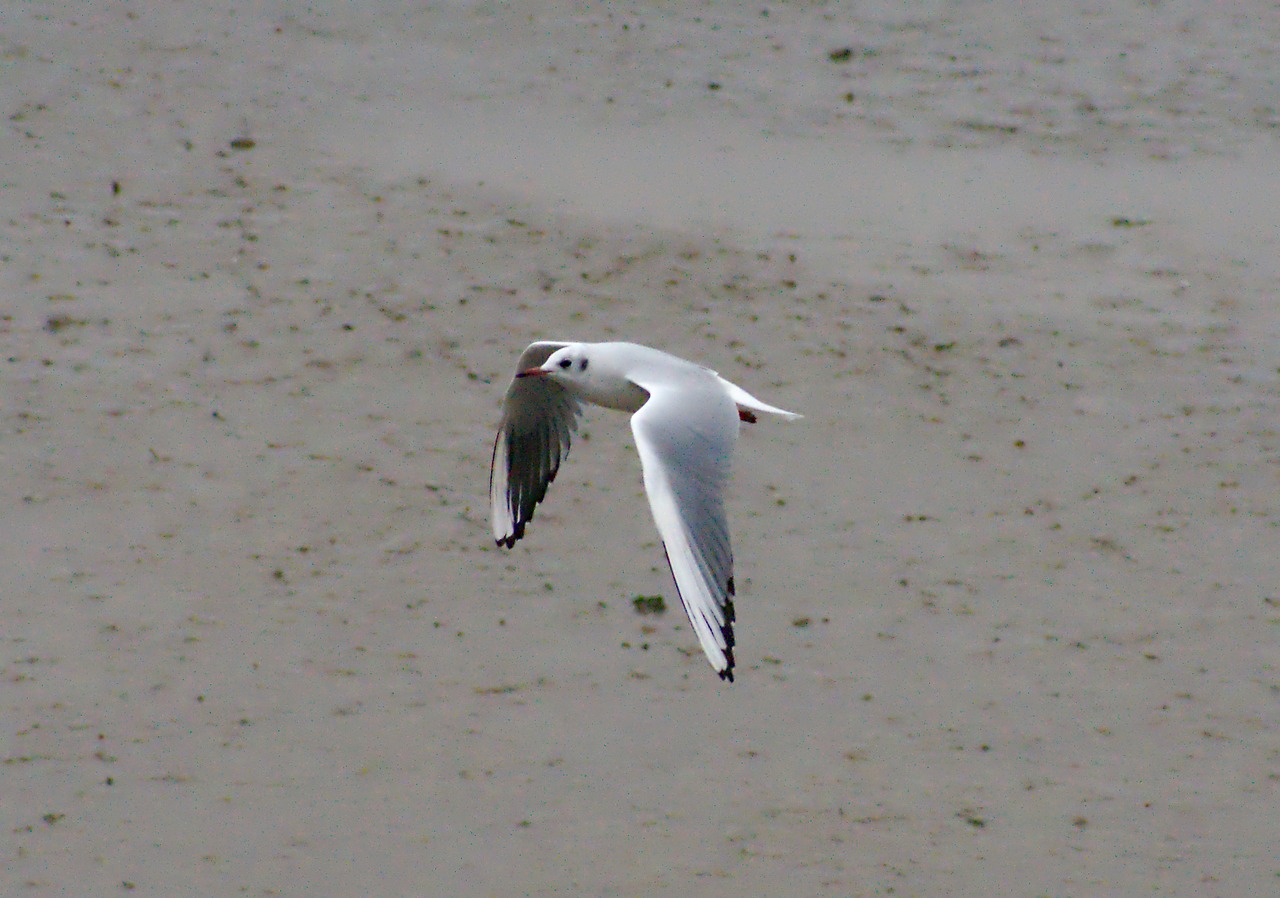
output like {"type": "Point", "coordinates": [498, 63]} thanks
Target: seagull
{"type": "Point", "coordinates": [685, 419]}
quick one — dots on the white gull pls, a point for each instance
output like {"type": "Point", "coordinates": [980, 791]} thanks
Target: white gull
{"type": "Point", "coordinates": [685, 420]}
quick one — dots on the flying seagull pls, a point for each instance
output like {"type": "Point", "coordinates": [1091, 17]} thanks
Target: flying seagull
{"type": "Point", "coordinates": [685, 419]}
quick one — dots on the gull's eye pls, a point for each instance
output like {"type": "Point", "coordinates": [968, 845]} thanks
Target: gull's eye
{"type": "Point", "coordinates": [566, 363]}
{"type": "Point", "coordinates": [582, 365]}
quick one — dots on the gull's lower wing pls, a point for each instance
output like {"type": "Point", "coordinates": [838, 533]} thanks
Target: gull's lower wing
{"type": "Point", "coordinates": [685, 439]}
{"type": "Point", "coordinates": [538, 416]}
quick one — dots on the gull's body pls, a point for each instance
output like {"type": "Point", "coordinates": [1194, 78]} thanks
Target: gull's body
{"type": "Point", "coordinates": [685, 421]}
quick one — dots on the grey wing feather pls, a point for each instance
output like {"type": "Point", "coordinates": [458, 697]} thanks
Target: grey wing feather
{"type": "Point", "coordinates": [538, 416]}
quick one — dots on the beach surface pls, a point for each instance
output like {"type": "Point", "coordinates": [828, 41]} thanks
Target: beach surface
{"type": "Point", "coordinates": [1008, 603]}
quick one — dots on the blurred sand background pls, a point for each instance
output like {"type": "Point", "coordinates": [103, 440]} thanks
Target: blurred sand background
{"type": "Point", "coordinates": [1009, 604]}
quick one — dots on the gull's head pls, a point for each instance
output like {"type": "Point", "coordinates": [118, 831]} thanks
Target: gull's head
{"type": "Point", "coordinates": [567, 364]}
{"type": "Point", "coordinates": [594, 372]}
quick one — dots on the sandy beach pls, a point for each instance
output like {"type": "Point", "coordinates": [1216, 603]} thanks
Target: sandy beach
{"type": "Point", "coordinates": [1008, 599]}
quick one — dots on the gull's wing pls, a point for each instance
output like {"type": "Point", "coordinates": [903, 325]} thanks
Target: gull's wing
{"type": "Point", "coordinates": [538, 415]}
{"type": "Point", "coordinates": [685, 438]}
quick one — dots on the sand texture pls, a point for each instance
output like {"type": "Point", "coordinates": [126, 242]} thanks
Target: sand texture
{"type": "Point", "coordinates": [1008, 595]}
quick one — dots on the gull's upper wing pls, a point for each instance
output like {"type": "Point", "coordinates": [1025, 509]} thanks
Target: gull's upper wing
{"type": "Point", "coordinates": [538, 415]}
{"type": "Point", "coordinates": [685, 437]}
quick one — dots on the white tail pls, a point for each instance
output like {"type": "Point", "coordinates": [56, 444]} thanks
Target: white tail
{"type": "Point", "coordinates": [746, 400]}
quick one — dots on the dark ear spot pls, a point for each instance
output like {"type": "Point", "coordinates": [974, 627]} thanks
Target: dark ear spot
{"type": "Point", "coordinates": [582, 365]}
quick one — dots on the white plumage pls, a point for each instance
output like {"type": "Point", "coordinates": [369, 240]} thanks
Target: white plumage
{"type": "Point", "coordinates": [685, 423]}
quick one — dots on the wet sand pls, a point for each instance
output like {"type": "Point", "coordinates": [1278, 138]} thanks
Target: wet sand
{"type": "Point", "coordinates": [1008, 611]}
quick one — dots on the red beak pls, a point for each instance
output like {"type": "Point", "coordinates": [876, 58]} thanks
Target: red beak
{"type": "Point", "coordinates": [531, 372]}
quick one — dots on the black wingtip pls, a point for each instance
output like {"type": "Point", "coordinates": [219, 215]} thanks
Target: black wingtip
{"type": "Point", "coordinates": [729, 617]}
{"type": "Point", "coordinates": [726, 629]}
{"type": "Point", "coordinates": [517, 532]}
